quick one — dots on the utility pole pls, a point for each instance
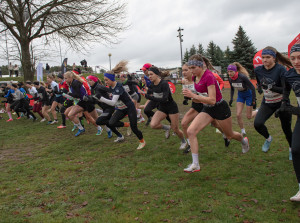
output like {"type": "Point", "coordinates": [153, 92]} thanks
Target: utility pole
{"type": "Point", "coordinates": [180, 41]}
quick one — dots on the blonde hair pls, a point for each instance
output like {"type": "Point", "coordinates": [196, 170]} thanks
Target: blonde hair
{"type": "Point", "coordinates": [240, 68]}
{"type": "Point", "coordinates": [73, 75]}
{"type": "Point", "coordinates": [120, 67]}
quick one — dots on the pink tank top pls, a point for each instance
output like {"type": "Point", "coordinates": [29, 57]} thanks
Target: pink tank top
{"type": "Point", "coordinates": [206, 80]}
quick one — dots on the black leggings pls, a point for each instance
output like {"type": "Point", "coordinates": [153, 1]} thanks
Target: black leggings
{"type": "Point", "coordinates": [148, 110]}
{"type": "Point", "coordinates": [22, 106]}
{"type": "Point", "coordinates": [265, 112]}
{"type": "Point", "coordinates": [104, 118]}
{"type": "Point", "coordinates": [120, 114]}
{"type": "Point", "coordinates": [296, 149]}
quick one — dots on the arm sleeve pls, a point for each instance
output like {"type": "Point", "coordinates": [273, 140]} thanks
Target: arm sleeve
{"type": "Point", "coordinates": [250, 86]}
{"type": "Point", "coordinates": [286, 90]}
{"type": "Point", "coordinates": [277, 89]}
{"type": "Point", "coordinates": [231, 91]}
{"type": "Point", "coordinates": [111, 102]}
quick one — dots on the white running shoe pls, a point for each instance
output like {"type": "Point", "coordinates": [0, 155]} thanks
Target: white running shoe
{"type": "Point", "coordinates": [192, 168]}
{"type": "Point", "coordinates": [128, 131]}
{"type": "Point", "coordinates": [141, 145]}
{"type": "Point", "coordinates": [53, 122]}
{"type": "Point", "coordinates": [183, 145]}
{"type": "Point", "coordinates": [119, 139]}
{"type": "Point", "coordinates": [43, 120]}
{"type": "Point", "coordinates": [141, 120]}
{"type": "Point", "coordinates": [246, 147]}
{"type": "Point", "coordinates": [296, 197]}
{"type": "Point", "coordinates": [243, 132]}
{"type": "Point", "coordinates": [167, 133]}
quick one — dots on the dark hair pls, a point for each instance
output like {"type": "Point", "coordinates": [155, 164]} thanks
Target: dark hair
{"type": "Point", "coordinates": [14, 85]}
{"type": "Point", "coordinates": [280, 58]}
{"type": "Point", "coordinates": [158, 72]}
{"type": "Point", "coordinates": [28, 82]}
{"type": "Point", "coordinates": [36, 83]}
{"type": "Point", "coordinates": [240, 68]}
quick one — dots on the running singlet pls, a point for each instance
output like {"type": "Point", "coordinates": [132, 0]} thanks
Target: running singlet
{"type": "Point", "coordinates": [191, 87]}
{"type": "Point", "coordinates": [292, 80]}
{"type": "Point", "coordinates": [124, 99]}
{"type": "Point", "coordinates": [270, 77]}
{"type": "Point", "coordinates": [242, 83]}
{"type": "Point", "coordinates": [206, 80]}
{"type": "Point", "coordinates": [160, 93]}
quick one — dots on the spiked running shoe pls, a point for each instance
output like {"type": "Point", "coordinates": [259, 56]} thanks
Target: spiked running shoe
{"type": "Point", "coordinates": [79, 132]}
{"type": "Point", "coordinates": [296, 197]}
{"type": "Point", "coordinates": [74, 128]}
{"type": "Point", "coordinates": [187, 149]}
{"type": "Point", "coordinates": [227, 142]}
{"type": "Point", "coordinates": [265, 148]}
{"type": "Point", "coordinates": [99, 132]}
{"type": "Point", "coordinates": [61, 127]}
{"type": "Point", "coordinates": [183, 145]}
{"type": "Point", "coordinates": [246, 147]}
{"type": "Point", "coordinates": [192, 168]}
{"type": "Point", "coordinates": [167, 133]}
{"type": "Point", "coordinates": [141, 145]}
{"type": "Point", "coordinates": [119, 139]}
{"type": "Point", "coordinates": [109, 134]}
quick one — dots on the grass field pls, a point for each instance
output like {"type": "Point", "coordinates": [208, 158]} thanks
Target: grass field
{"type": "Point", "coordinates": [48, 175]}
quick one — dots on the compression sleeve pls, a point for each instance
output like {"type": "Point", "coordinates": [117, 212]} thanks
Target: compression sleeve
{"type": "Point", "coordinates": [111, 102]}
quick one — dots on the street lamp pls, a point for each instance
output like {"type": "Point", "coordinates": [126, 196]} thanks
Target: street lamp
{"type": "Point", "coordinates": [109, 56]}
{"type": "Point", "coordinates": [180, 41]}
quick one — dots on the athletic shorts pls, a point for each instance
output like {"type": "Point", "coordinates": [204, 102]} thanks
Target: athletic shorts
{"type": "Point", "coordinates": [59, 100]}
{"type": "Point", "coordinates": [68, 103]}
{"type": "Point", "coordinates": [219, 111]}
{"type": "Point", "coordinates": [197, 106]}
{"type": "Point", "coordinates": [135, 97]}
{"type": "Point", "coordinates": [45, 103]}
{"type": "Point", "coordinates": [87, 106]}
{"type": "Point", "coordinates": [140, 98]}
{"type": "Point", "coordinates": [37, 107]}
{"type": "Point", "coordinates": [245, 96]}
{"type": "Point", "coordinates": [169, 108]}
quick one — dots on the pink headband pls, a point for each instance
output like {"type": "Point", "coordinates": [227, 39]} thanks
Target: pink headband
{"type": "Point", "coordinates": [93, 78]}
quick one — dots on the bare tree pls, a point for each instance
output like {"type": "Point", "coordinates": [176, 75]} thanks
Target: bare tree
{"type": "Point", "coordinates": [77, 22]}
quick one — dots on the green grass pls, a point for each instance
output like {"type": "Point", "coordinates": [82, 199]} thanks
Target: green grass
{"type": "Point", "coordinates": [48, 175]}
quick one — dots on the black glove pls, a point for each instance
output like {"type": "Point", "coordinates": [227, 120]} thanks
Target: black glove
{"type": "Point", "coordinates": [254, 104]}
{"type": "Point", "coordinates": [185, 101]}
{"type": "Point", "coordinates": [259, 89]}
{"type": "Point", "coordinates": [230, 103]}
{"type": "Point", "coordinates": [147, 96]}
{"type": "Point", "coordinates": [85, 98]}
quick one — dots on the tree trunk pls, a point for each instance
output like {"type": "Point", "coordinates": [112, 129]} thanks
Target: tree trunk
{"type": "Point", "coordinates": [26, 61]}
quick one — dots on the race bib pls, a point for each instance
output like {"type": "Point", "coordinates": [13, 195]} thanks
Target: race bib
{"type": "Point", "coordinates": [238, 86]}
{"type": "Point", "coordinates": [158, 95]}
{"type": "Point", "coordinates": [272, 97]}
{"type": "Point", "coordinates": [191, 87]}
{"type": "Point", "coordinates": [120, 105]}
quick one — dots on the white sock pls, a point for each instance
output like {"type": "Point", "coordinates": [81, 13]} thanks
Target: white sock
{"type": "Point", "coordinates": [138, 112]}
{"type": "Point", "coordinates": [290, 149]}
{"type": "Point", "coordinates": [79, 126]}
{"type": "Point", "coordinates": [166, 127]}
{"type": "Point", "coordinates": [195, 158]}
{"type": "Point", "coordinates": [224, 136]}
{"type": "Point", "coordinates": [269, 139]}
{"type": "Point", "coordinates": [243, 130]}
{"type": "Point", "coordinates": [107, 129]}
{"type": "Point", "coordinates": [188, 141]}
{"type": "Point", "coordinates": [99, 127]}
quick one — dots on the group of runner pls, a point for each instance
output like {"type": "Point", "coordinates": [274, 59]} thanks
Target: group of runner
{"type": "Point", "coordinates": [75, 97]}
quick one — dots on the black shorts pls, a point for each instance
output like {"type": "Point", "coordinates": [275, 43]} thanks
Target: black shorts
{"type": "Point", "coordinates": [45, 103]}
{"type": "Point", "coordinates": [68, 103]}
{"type": "Point", "coordinates": [219, 111]}
{"type": "Point", "coordinates": [169, 108]}
{"type": "Point", "coordinates": [59, 100]}
{"type": "Point", "coordinates": [140, 98]}
{"type": "Point", "coordinates": [87, 106]}
{"type": "Point", "coordinates": [197, 106]}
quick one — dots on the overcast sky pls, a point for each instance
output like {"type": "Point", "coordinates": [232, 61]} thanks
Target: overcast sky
{"type": "Point", "coordinates": [152, 36]}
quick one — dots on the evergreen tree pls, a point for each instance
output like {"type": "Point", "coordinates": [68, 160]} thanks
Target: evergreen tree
{"type": "Point", "coordinates": [214, 54]}
{"type": "Point", "coordinates": [243, 49]}
{"type": "Point", "coordinates": [193, 50]}
{"type": "Point", "coordinates": [200, 50]}
{"type": "Point", "coordinates": [186, 56]}
{"type": "Point", "coordinates": [226, 59]}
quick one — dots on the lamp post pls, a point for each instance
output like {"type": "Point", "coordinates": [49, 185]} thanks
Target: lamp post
{"type": "Point", "coordinates": [180, 41]}
{"type": "Point", "coordinates": [109, 56]}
